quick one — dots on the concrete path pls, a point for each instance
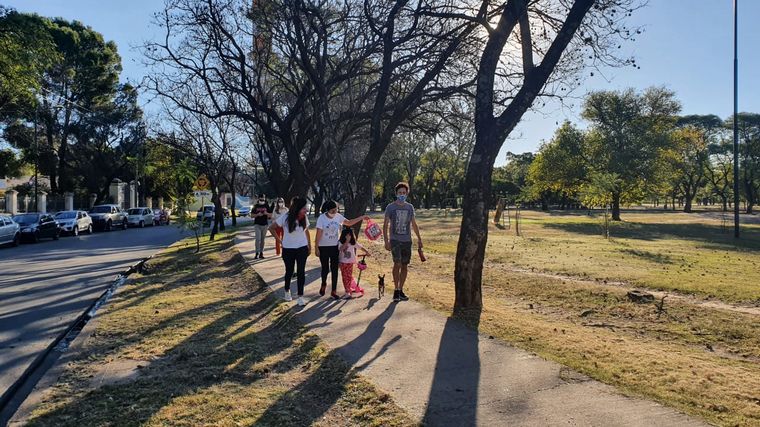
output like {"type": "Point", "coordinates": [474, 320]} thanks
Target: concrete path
{"type": "Point", "coordinates": [445, 374]}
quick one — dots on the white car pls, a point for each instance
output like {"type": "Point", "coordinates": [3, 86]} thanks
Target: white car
{"type": "Point", "coordinates": [74, 222]}
{"type": "Point", "coordinates": [9, 231]}
{"type": "Point", "coordinates": [140, 217]}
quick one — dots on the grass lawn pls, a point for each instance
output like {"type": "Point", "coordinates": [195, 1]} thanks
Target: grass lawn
{"type": "Point", "coordinates": [198, 340]}
{"type": "Point", "coordinates": [703, 361]}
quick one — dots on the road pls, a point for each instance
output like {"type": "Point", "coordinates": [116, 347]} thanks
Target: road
{"type": "Point", "coordinates": [45, 286]}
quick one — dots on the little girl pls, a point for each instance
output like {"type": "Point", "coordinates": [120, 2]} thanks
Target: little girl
{"type": "Point", "coordinates": [347, 249]}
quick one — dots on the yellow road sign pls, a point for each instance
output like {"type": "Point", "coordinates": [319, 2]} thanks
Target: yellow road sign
{"type": "Point", "coordinates": [202, 183]}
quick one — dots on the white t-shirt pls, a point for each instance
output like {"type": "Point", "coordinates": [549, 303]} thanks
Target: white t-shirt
{"type": "Point", "coordinates": [347, 253]}
{"type": "Point", "coordinates": [296, 239]}
{"type": "Point", "coordinates": [330, 229]}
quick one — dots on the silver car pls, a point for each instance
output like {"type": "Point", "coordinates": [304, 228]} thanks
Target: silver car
{"type": "Point", "coordinates": [9, 231]}
{"type": "Point", "coordinates": [140, 217]}
{"type": "Point", "coordinates": [74, 222]}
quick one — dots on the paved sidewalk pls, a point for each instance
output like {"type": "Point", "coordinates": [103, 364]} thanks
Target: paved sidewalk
{"type": "Point", "coordinates": [445, 374]}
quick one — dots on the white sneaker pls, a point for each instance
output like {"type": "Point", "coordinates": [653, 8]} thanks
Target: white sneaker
{"type": "Point", "coordinates": [301, 302]}
{"type": "Point", "coordinates": [288, 297]}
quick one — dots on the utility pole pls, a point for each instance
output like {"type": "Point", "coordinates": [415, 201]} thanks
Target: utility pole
{"type": "Point", "coordinates": [36, 155]}
{"type": "Point", "coordinates": [736, 120]}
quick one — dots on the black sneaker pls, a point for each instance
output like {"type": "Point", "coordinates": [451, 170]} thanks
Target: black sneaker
{"type": "Point", "coordinates": [402, 296]}
{"type": "Point", "coordinates": [261, 256]}
{"type": "Point", "coordinates": [396, 295]}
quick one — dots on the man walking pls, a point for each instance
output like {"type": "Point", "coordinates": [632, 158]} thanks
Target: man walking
{"type": "Point", "coordinates": [261, 213]}
{"type": "Point", "coordinates": [399, 217]}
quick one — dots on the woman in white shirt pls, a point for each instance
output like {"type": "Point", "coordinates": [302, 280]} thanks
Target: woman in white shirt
{"type": "Point", "coordinates": [296, 245]}
{"type": "Point", "coordinates": [329, 226]}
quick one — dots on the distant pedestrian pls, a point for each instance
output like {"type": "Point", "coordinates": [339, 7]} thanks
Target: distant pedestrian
{"type": "Point", "coordinates": [262, 213]}
{"type": "Point", "coordinates": [329, 225]}
{"type": "Point", "coordinates": [399, 218]}
{"type": "Point", "coordinates": [278, 209]}
{"type": "Point", "coordinates": [348, 248]}
{"type": "Point", "coordinates": [296, 245]}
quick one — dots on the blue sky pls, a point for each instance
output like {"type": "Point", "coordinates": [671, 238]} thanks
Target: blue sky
{"type": "Point", "coordinates": [686, 46]}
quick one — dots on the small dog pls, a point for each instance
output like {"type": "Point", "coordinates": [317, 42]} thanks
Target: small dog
{"type": "Point", "coordinates": [380, 286]}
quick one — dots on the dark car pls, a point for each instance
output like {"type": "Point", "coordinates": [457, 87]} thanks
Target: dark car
{"type": "Point", "coordinates": [160, 217]}
{"type": "Point", "coordinates": [105, 217]}
{"type": "Point", "coordinates": [35, 226]}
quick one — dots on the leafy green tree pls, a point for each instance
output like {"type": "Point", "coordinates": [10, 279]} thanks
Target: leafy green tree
{"type": "Point", "coordinates": [71, 85]}
{"type": "Point", "coordinates": [628, 131]}
{"type": "Point", "coordinates": [560, 166]}
{"type": "Point", "coordinates": [10, 164]}
{"type": "Point", "coordinates": [749, 157]}
{"type": "Point", "coordinates": [27, 49]}
{"type": "Point", "coordinates": [687, 158]}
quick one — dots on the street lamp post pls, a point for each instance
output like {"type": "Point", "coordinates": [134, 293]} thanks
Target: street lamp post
{"type": "Point", "coordinates": [736, 121]}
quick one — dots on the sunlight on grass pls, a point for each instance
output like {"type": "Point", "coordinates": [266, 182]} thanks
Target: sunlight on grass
{"type": "Point", "coordinates": [206, 344]}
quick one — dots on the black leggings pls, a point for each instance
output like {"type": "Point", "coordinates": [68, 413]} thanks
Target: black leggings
{"type": "Point", "coordinates": [328, 257]}
{"type": "Point", "coordinates": [295, 258]}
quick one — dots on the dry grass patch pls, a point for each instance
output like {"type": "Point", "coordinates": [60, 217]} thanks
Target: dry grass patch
{"type": "Point", "coordinates": [703, 361]}
{"type": "Point", "coordinates": [207, 344]}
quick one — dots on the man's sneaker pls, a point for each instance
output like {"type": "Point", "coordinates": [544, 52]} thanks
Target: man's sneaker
{"type": "Point", "coordinates": [402, 296]}
{"type": "Point", "coordinates": [396, 295]}
{"type": "Point", "coordinates": [288, 297]}
{"type": "Point", "coordinates": [301, 302]}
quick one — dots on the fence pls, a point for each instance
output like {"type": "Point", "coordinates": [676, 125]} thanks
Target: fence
{"type": "Point", "coordinates": [57, 203]}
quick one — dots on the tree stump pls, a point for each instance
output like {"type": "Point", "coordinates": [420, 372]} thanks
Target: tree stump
{"type": "Point", "coordinates": [640, 297]}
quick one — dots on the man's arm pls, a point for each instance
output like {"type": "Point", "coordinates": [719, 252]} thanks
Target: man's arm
{"type": "Point", "coordinates": [386, 221]}
{"type": "Point", "coordinates": [417, 232]}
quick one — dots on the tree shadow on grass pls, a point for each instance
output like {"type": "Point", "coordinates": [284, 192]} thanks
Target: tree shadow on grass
{"type": "Point", "coordinates": [712, 235]}
{"type": "Point", "coordinates": [212, 355]}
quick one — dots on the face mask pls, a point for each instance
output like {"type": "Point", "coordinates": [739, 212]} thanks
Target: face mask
{"type": "Point", "coordinates": [401, 197]}
{"type": "Point", "coordinates": [331, 214]}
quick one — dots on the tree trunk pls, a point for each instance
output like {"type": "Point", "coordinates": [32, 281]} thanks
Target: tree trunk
{"type": "Point", "coordinates": [616, 207]}
{"type": "Point", "coordinates": [749, 192]}
{"type": "Point", "coordinates": [688, 197]}
{"type": "Point", "coordinates": [473, 234]}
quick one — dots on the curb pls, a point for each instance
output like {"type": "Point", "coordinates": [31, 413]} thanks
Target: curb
{"type": "Point", "coordinates": [19, 391]}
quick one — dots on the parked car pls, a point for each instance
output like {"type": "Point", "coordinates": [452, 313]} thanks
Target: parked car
{"type": "Point", "coordinates": [35, 226]}
{"type": "Point", "coordinates": [140, 217]}
{"type": "Point", "coordinates": [9, 231]}
{"type": "Point", "coordinates": [105, 217]}
{"type": "Point", "coordinates": [244, 211]}
{"type": "Point", "coordinates": [160, 217]}
{"type": "Point", "coordinates": [74, 222]}
{"type": "Point", "coordinates": [205, 213]}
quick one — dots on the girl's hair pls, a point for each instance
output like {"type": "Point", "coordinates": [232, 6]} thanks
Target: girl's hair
{"type": "Point", "coordinates": [328, 206]}
{"type": "Point", "coordinates": [345, 233]}
{"type": "Point", "coordinates": [295, 206]}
